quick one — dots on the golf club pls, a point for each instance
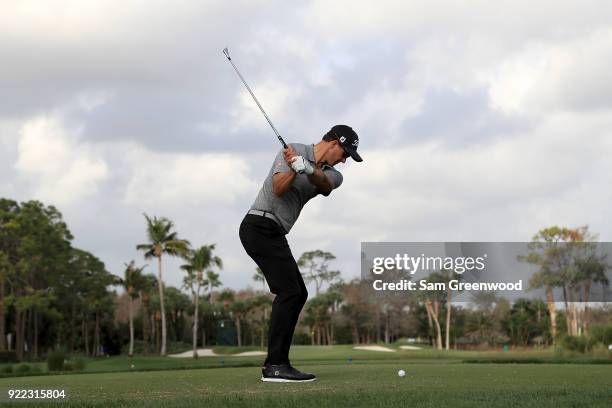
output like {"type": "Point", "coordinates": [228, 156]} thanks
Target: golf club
{"type": "Point", "coordinates": [226, 53]}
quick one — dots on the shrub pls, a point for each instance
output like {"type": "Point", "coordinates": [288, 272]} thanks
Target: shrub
{"type": "Point", "coordinates": [79, 364]}
{"type": "Point", "coordinates": [301, 338]}
{"type": "Point", "coordinates": [8, 357]}
{"type": "Point", "coordinates": [55, 360]}
{"type": "Point", "coordinates": [22, 368]}
{"type": "Point", "coordinates": [602, 334]}
{"type": "Point", "coordinates": [8, 369]}
{"type": "Point", "coordinates": [580, 344]}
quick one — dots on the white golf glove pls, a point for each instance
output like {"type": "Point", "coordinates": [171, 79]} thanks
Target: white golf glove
{"type": "Point", "coordinates": [301, 165]}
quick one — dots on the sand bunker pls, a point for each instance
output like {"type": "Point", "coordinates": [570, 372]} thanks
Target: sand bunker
{"type": "Point", "coordinates": [210, 353]}
{"type": "Point", "coordinates": [251, 353]}
{"type": "Point", "coordinates": [201, 353]}
{"type": "Point", "coordinates": [410, 348]}
{"type": "Point", "coordinates": [375, 348]}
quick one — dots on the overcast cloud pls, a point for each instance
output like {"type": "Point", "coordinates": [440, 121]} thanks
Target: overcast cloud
{"type": "Point", "coordinates": [478, 120]}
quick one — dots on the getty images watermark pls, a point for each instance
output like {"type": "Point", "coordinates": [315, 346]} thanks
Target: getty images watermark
{"type": "Point", "coordinates": [509, 269]}
{"type": "Point", "coordinates": [458, 265]}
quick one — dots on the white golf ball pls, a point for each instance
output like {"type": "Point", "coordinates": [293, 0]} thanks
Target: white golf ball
{"type": "Point", "coordinates": [401, 373]}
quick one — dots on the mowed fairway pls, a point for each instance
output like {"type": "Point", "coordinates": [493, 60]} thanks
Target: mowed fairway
{"type": "Point", "coordinates": [368, 383]}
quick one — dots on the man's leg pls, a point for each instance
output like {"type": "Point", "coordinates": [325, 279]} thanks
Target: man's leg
{"type": "Point", "coordinates": [269, 249]}
{"type": "Point", "coordinates": [285, 313]}
{"type": "Point", "coordinates": [298, 308]}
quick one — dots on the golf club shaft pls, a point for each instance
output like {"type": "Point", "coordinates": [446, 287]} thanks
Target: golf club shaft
{"type": "Point", "coordinates": [226, 53]}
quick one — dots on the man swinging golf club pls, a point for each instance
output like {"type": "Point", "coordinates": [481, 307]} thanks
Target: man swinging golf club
{"type": "Point", "coordinates": [299, 172]}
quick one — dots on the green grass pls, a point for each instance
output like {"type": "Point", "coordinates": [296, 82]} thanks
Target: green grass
{"type": "Point", "coordinates": [369, 380]}
{"type": "Point", "coordinates": [325, 355]}
{"type": "Point", "coordinates": [367, 384]}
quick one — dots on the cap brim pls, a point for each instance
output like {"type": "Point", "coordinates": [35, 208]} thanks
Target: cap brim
{"type": "Point", "coordinates": [354, 155]}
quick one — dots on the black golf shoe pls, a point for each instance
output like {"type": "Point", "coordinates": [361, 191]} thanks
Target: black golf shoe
{"type": "Point", "coordinates": [284, 373]}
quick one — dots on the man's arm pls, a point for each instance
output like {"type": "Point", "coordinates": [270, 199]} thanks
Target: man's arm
{"type": "Point", "coordinates": [281, 182]}
{"type": "Point", "coordinates": [316, 176]}
{"type": "Point", "coordinates": [320, 179]}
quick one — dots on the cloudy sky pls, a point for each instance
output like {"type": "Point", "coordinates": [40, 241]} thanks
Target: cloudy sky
{"type": "Point", "coordinates": [478, 121]}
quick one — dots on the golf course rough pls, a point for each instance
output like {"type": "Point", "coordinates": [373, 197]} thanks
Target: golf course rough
{"type": "Point", "coordinates": [368, 383]}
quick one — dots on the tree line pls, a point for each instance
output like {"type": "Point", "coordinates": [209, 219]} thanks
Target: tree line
{"type": "Point", "coordinates": [53, 295]}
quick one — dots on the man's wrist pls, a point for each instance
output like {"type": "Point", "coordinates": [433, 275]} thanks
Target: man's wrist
{"type": "Point", "coordinates": [310, 169]}
{"type": "Point", "coordinates": [317, 176]}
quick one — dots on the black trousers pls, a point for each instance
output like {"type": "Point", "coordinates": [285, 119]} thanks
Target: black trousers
{"type": "Point", "coordinates": [264, 240]}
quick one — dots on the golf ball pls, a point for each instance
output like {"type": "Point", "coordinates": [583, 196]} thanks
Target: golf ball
{"type": "Point", "coordinates": [401, 373]}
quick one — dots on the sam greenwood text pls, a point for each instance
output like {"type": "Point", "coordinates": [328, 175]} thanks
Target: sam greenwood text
{"type": "Point", "coordinates": [442, 286]}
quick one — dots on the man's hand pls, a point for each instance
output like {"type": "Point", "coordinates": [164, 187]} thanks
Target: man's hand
{"type": "Point", "coordinates": [289, 154]}
{"type": "Point", "coordinates": [301, 165]}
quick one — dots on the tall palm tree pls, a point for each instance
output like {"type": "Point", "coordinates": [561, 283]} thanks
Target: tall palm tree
{"type": "Point", "coordinates": [258, 276]}
{"type": "Point", "coordinates": [146, 286]}
{"type": "Point", "coordinates": [239, 311]}
{"type": "Point", "coordinates": [162, 240]}
{"type": "Point", "coordinates": [334, 298]}
{"type": "Point", "coordinates": [131, 281]}
{"type": "Point", "coordinates": [446, 276]}
{"type": "Point", "coordinates": [198, 261]}
{"type": "Point", "coordinates": [213, 282]}
{"type": "Point", "coordinates": [432, 300]}
{"type": "Point", "coordinates": [258, 306]}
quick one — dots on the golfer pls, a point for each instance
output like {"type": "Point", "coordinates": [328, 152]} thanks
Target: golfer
{"type": "Point", "coordinates": [298, 174]}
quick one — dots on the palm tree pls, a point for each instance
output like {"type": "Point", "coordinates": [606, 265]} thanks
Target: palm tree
{"type": "Point", "coordinates": [226, 298]}
{"type": "Point", "coordinates": [258, 306]}
{"type": "Point", "coordinates": [432, 300]}
{"type": "Point", "coordinates": [162, 240]}
{"type": "Point", "coordinates": [145, 287]}
{"type": "Point", "coordinates": [446, 276]}
{"type": "Point", "coordinates": [334, 297]}
{"type": "Point", "coordinates": [239, 310]}
{"type": "Point", "coordinates": [258, 276]}
{"type": "Point", "coordinates": [131, 281]}
{"type": "Point", "coordinates": [197, 261]}
{"type": "Point", "coordinates": [213, 282]}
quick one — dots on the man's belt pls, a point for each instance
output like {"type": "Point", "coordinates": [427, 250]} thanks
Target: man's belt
{"type": "Point", "coordinates": [266, 214]}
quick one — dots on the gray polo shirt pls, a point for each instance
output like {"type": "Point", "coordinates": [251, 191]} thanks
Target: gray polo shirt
{"type": "Point", "coordinates": [287, 207]}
